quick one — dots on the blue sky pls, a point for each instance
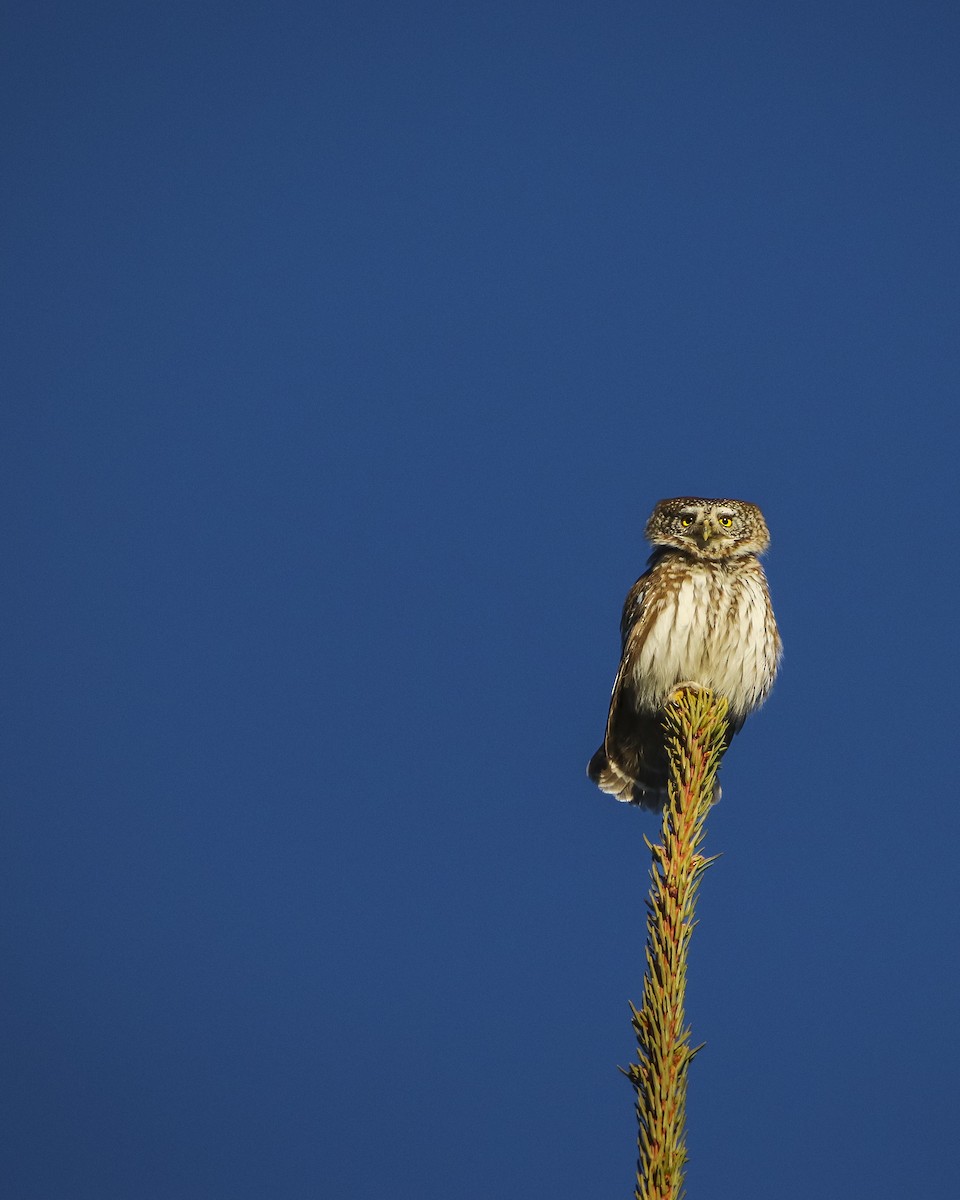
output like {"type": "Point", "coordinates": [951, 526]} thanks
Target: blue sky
{"type": "Point", "coordinates": [348, 347]}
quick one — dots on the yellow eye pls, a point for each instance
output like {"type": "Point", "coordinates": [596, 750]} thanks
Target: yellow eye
{"type": "Point", "coordinates": [686, 522]}
{"type": "Point", "coordinates": [726, 522]}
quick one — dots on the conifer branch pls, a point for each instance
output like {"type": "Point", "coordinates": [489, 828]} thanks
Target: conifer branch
{"type": "Point", "coordinates": [696, 726]}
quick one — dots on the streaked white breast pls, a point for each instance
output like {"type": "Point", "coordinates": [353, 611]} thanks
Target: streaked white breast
{"type": "Point", "coordinates": [712, 630]}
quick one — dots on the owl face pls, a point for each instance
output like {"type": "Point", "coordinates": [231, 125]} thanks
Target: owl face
{"type": "Point", "coordinates": [711, 529]}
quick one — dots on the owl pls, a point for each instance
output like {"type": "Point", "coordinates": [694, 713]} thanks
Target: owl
{"type": "Point", "coordinates": [700, 615]}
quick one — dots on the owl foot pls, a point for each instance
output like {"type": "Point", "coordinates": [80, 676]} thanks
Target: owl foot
{"type": "Point", "coordinates": [688, 685]}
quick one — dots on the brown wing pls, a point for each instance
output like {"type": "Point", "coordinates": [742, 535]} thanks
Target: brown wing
{"type": "Point", "coordinates": [632, 762]}
{"type": "Point", "coordinates": [633, 606]}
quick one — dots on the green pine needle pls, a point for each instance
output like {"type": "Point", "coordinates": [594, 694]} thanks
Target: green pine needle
{"type": "Point", "coordinates": [696, 723]}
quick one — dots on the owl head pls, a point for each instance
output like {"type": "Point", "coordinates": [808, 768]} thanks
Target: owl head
{"type": "Point", "coordinates": [711, 529]}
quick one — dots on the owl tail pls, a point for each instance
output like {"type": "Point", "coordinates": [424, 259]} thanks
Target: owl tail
{"type": "Point", "coordinates": [610, 778]}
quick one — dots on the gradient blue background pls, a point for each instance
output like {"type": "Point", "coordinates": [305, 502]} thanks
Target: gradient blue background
{"type": "Point", "coordinates": [347, 348]}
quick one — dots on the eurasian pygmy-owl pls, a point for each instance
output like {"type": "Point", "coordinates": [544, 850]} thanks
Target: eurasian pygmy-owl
{"type": "Point", "coordinates": [700, 614]}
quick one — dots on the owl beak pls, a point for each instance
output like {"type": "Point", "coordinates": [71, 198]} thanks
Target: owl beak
{"type": "Point", "coordinates": [707, 531]}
